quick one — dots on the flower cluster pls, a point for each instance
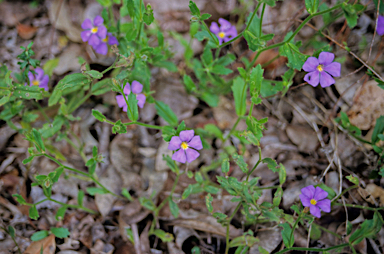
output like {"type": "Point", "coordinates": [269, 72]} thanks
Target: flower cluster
{"type": "Point", "coordinates": [321, 70]}
{"type": "Point", "coordinates": [315, 199]}
{"type": "Point", "coordinates": [226, 32]}
{"type": "Point", "coordinates": [97, 36]}
{"type": "Point", "coordinates": [136, 88]}
{"type": "Point", "coordinates": [185, 145]}
{"type": "Point", "coordinates": [38, 79]}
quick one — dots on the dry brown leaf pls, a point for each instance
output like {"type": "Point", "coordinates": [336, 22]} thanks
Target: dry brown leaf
{"type": "Point", "coordinates": [305, 138]}
{"type": "Point", "coordinates": [26, 32]}
{"type": "Point", "coordinates": [376, 192]}
{"type": "Point", "coordinates": [368, 105]}
{"type": "Point", "coordinates": [269, 240]}
{"type": "Point", "coordinates": [267, 56]}
{"type": "Point", "coordinates": [207, 224]}
{"type": "Point", "coordinates": [48, 244]}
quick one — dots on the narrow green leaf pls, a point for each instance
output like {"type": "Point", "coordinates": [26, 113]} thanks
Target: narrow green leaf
{"type": "Point", "coordinates": [60, 232]}
{"type": "Point", "coordinates": [61, 212]}
{"type": "Point", "coordinates": [133, 111]}
{"type": "Point", "coordinates": [94, 74]}
{"type": "Point", "coordinates": [286, 233]}
{"type": "Point", "coordinates": [256, 79]}
{"type": "Point", "coordinates": [80, 197]}
{"type": "Point", "coordinates": [174, 208]}
{"type": "Point", "coordinates": [33, 213]}
{"type": "Point", "coordinates": [37, 137]}
{"type": "Point", "coordinates": [94, 190]}
{"type": "Point", "coordinates": [239, 89]}
{"type": "Point", "coordinates": [166, 113]}
{"type": "Point", "coordinates": [208, 202]}
{"type": "Point", "coordinates": [39, 235]}
{"type": "Point", "coordinates": [126, 194]}
{"type": "Point", "coordinates": [194, 9]}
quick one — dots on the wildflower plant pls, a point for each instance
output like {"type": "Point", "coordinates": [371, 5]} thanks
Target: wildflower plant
{"type": "Point", "coordinates": [138, 48]}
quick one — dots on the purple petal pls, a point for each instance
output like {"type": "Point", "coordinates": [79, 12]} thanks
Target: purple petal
{"type": "Point", "coordinates": [315, 211]}
{"type": "Point", "coordinates": [87, 24]}
{"type": "Point", "coordinates": [85, 35]}
{"type": "Point", "coordinates": [186, 135]}
{"type": "Point", "coordinates": [320, 194]}
{"type": "Point", "coordinates": [324, 205]}
{"type": "Point", "coordinates": [44, 81]}
{"type": "Point", "coordinates": [39, 73]}
{"type": "Point", "coordinates": [380, 25]}
{"type": "Point", "coordinates": [220, 40]}
{"type": "Point", "coordinates": [191, 154]}
{"type": "Point", "coordinates": [179, 156]}
{"type": "Point", "coordinates": [333, 69]}
{"type": "Point", "coordinates": [94, 40]}
{"type": "Point", "coordinates": [175, 143]}
{"type": "Point", "coordinates": [326, 58]}
{"type": "Point", "coordinates": [45, 86]}
{"type": "Point", "coordinates": [311, 64]}
{"type": "Point", "coordinates": [102, 32]}
{"type": "Point", "coordinates": [140, 100]}
{"type": "Point", "coordinates": [308, 191]}
{"type": "Point", "coordinates": [196, 143]}
{"type": "Point", "coordinates": [98, 20]}
{"type": "Point", "coordinates": [326, 79]}
{"type": "Point", "coordinates": [125, 108]}
{"type": "Point", "coordinates": [31, 77]}
{"type": "Point", "coordinates": [102, 48]}
{"type": "Point", "coordinates": [127, 89]}
{"type": "Point", "coordinates": [231, 33]}
{"type": "Point", "coordinates": [224, 24]}
{"type": "Point", "coordinates": [306, 201]}
{"type": "Point", "coordinates": [121, 101]}
{"type": "Point", "coordinates": [137, 87]}
{"type": "Point", "coordinates": [112, 40]}
{"type": "Point", "coordinates": [312, 78]}
{"type": "Point", "coordinates": [214, 28]}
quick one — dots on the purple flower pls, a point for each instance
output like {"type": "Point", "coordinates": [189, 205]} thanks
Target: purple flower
{"type": "Point", "coordinates": [137, 88]}
{"type": "Point", "coordinates": [321, 70]}
{"type": "Point", "coordinates": [184, 144]}
{"type": "Point", "coordinates": [380, 25]}
{"type": "Point", "coordinates": [38, 79]}
{"type": "Point", "coordinates": [226, 32]}
{"type": "Point", "coordinates": [102, 48]}
{"type": "Point", "coordinates": [315, 199]}
{"type": "Point", "coordinates": [94, 33]}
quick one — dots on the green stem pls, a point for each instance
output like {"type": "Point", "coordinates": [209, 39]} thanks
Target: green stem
{"type": "Point", "coordinates": [74, 206]}
{"type": "Point", "coordinates": [344, 191]}
{"type": "Point", "coordinates": [360, 206]}
{"type": "Point", "coordinates": [328, 231]}
{"type": "Point", "coordinates": [261, 18]}
{"type": "Point", "coordinates": [145, 125]}
{"type": "Point", "coordinates": [313, 249]}
{"type": "Point", "coordinates": [229, 223]}
{"type": "Point", "coordinates": [103, 187]}
{"type": "Point", "coordinates": [294, 226]}
{"type": "Point", "coordinates": [257, 164]}
{"type": "Point", "coordinates": [66, 167]}
{"type": "Point", "coordinates": [232, 130]}
{"type": "Point", "coordinates": [76, 148]}
{"type": "Point", "coordinates": [253, 15]}
{"type": "Point", "coordinates": [214, 38]}
{"type": "Point", "coordinates": [110, 67]}
{"type": "Point", "coordinates": [78, 104]}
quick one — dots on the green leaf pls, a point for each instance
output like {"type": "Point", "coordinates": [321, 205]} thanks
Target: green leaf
{"type": "Point", "coordinates": [80, 197]}
{"type": "Point", "coordinates": [174, 208]}
{"type": "Point", "coordinates": [282, 174]}
{"type": "Point", "coordinates": [133, 111]}
{"type": "Point", "coordinates": [37, 137]}
{"type": "Point", "coordinates": [220, 70]}
{"type": "Point", "coordinates": [225, 166]}
{"type": "Point", "coordinates": [29, 159]}
{"type": "Point", "coordinates": [33, 213]}
{"type": "Point", "coordinates": [189, 84]}
{"type": "Point", "coordinates": [212, 129]}
{"type": "Point", "coordinates": [171, 164]}
{"type": "Point", "coordinates": [126, 194]}
{"type": "Point", "coordinates": [55, 97]}
{"type": "Point", "coordinates": [39, 235]}
{"type": "Point", "coordinates": [368, 229]}
{"type": "Point", "coordinates": [187, 191]}
{"type": "Point", "coordinates": [94, 74]}
{"type": "Point", "coordinates": [277, 197]}
{"type": "Point", "coordinates": [26, 92]}
{"type": "Point", "coordinates": [165, 237]}
{"type": "Point", "coordinates": [353, 180]}
{"type": "Point", "coordinates": [292, 52]}
{"type": "Point", "coordinates": [148, 16]}
{"type": "Point", "coordinates": [119, 127]}
{"type": "Point", "coordinates": [94, 190]}
{"type": "Point", "coordinates": [256, 79]}
{"type": "Point", "coordinates": [98, 115]}
{"type": "Point", "coordinates": [271, 3]}
{"type": "Point", "coordinates": [131, 8]}
{"type": "Point", "coordinates": [208, 203]}
{"type": "Point", "coordinates": [61, 212]}
{"type": "Point", "coordinates": [60, 232]}
{"type": "Point", "coordinates": [272, 165]}
{"type": "Point", "coordinates": [166, 113]}
{"type": "Point", "coordinates": [194, 9]}
{"type": "Point", "coordinates": [205, 16]}
{"type": "Point", "coordinates": [312, 6]}
{"type": "Point", "coordinates": [241, 163]}
{"type": "Point", "coordinates": [244, 240]}
{"type": "Point", "coordinates": [73, 80]}
{"type": "Point", "coordinates": [239, 89]}
{"type": "Point", "coordinates": [350, 14]}
{"type": "Point", "coordinates": [207, 57]}
{"type": "Point", "coordinates": [11, 231]}
{"type": "Point", "coordinates": [19, 199]}
{"type": "Point", "coordinates": [50, 65]}
{"type": "Point", "coordinates": [147, 203]}
{"type": "Point", "coordinates": [286, 233]}
{"type": "Point", "coordinates": [379, 129]}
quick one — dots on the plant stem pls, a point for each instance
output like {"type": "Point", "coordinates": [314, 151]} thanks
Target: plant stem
{"type": "Point", "coordinates": [261, 18]}
{"type": "Point", "coordinates": [66, 167]}
{"type": "Point", "coordinates": [145, 125]}
{"type": "Point", "coordinates": [294, 226]}
{"type": "Point", "coordinates": [73, 206]}
{"type": "Point", "coordinates": [232, 130]}
{"type": "Point", "coordinates": [257, 164]}
{"type": "Point", "coordinates": [313, 249]}
{"type": "Point", "coordinates": [229, 223]}
{"type": "Point", "coordinates": [361, 207]}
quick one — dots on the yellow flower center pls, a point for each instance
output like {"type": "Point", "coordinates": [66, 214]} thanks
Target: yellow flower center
{"type": "Point", "coordinates": [184, 145]}
{"type": "Point", "coordinates": [319, 67]}
{"type": "Point", "coordinates": [94, 30]}
{"type": "Point", "coordinates": [35, 82]}
{"type": "Point", "coordinates": [221, 35]}
{"type": "Point", "coordinates": [105, 39]}
{"type": "Point", "coordinates": [313, 202]}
